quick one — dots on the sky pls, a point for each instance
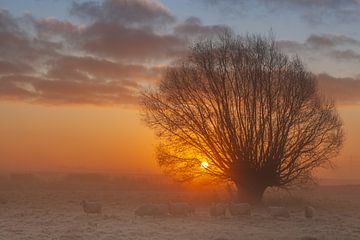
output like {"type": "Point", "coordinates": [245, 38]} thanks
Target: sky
{"type": "Point", "coordinates": [70, 72]}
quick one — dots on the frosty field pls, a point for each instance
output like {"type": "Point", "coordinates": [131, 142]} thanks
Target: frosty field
{"type": "Point", "coordinates": [37, 213]}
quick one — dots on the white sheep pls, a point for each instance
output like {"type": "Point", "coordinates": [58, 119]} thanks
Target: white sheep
{"type": "Point", "coordinates": [279, 212]}
{"type": "Point", "coordinates": [145, 210]}
{"type": "Point", "coordinates": [161, 210]}
{"type": "Point", "coordinates": [218, 210]}
{"type": "Point", "coordinates": [181, 209]}
{"type": "Point", "coordinates": [240, 209]}
{"type": "Point", "coordinates": [309, 212]}
{"type": "Point", "coordinates": [91, 207]}
{"type": "Point", "coordinates": [3, 201]}
{"type": "Point", "coordinates": [152, 209]}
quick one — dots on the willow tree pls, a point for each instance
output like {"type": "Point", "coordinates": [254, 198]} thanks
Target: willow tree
{"type": "Point", "coordinates": [252, 113]}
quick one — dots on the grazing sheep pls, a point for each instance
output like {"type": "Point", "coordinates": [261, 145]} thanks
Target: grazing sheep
{"type": "Point", "coordinates": [218, 210]}
{"type": "Point", "coordinates": [161, 210]}
{"type": "Point", "coordinates": [181, 209]}
{"type": "Point", "coordinates": [240, 209]}
{"type": "Point", "coordinates": [3, 201]}
{"type": "Point", "coordinates": [154, 210]}
{"type": "Point", "coordinates": [279, 212]}
{"type": "Point", "coordinates": [144, 210]}
{"type": "Point", "coordinates": [309, 212]}
{"type": "Point", "coordinates": [91, 207]}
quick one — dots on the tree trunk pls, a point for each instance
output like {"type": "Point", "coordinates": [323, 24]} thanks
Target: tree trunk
{"type": "Point", "coordinates": [250, 192]}
{"type": "Point", "coordinates": [251, 184]}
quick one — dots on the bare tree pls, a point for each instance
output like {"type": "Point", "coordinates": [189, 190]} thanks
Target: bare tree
{"type": "Point", "coordinates": [248, 110]}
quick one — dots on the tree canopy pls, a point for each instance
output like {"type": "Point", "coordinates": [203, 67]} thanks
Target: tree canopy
{"type": "Point", "coordinates": [254, 114]}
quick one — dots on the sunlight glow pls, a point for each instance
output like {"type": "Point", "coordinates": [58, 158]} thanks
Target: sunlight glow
{"type": "Point", "coordinates": [204, 164]}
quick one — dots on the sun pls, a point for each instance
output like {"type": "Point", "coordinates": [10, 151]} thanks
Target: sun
{"type": "Point", "coordinates": [204, 164]}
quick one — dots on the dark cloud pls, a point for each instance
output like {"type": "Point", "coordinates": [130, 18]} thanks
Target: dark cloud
{"type": "Point", "coordinates": [45, 91]}
{"type": "Point", "coordinates": [52, 27]}
{"type": "Point", "coordinates": [104, 60]}
{"type": "Point", "coordinates": [338, 5]}
{"type": "Point", "coordinates": [117, 41]}
{"type": "Point", "coordinates": [52, 61]}
{"type": "Point", "coordinates": [336, 47]}
{"type": "Point", "coordinates": [112, 39]}
{"type": "Point", "coordinates": [193, 28]}
{"type": "Point", "coordinates": [11, 67]}
{"type": "Point", "coordinates": [342, 90]}
{"type": "Point", "coordinates": [16, 90]}
{"type": "Point", "coordinates": [87, 68]}
{"type": "Point", "coordinates": [17, 45]}
{"type": "Point", "coordinates": [345, 55]}
{"type": "Point", "coordinates": [331, 40]}
{"type": "Point", "coordinates": [311, 11]}
{"type": "Point", "coordinates": [7, 22]}
{"type": "Point", "coordinates": [125, 12]}
{"type": "Point", "coordinates": [320, 42]}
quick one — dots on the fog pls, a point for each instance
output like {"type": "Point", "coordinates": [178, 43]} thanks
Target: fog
{"type": "Point", "coordinates": [43, 206]}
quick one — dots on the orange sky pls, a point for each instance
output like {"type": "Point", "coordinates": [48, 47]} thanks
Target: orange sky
{"type": "Point", "coordinates": [110, 139]}
{"type": "Point", "coordinates": [74, 138]}
{"type": "Point", "coordinates": [79, 62]}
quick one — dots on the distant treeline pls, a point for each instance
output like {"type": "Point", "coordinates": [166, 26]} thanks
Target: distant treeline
{"type": "Point", "coordinates": [78, 181]}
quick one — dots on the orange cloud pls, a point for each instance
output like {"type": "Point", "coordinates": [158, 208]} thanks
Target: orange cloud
{"type": "Point", "coordinates": [342, 90]}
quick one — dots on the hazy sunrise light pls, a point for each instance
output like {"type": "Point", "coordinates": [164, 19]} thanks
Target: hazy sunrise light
{"type": "Point", "coordinates": [204, 164]}
{"type": "Point", "coordinates": [179, 119]}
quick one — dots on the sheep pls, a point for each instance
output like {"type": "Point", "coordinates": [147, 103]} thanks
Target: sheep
{"type": "Point", "coordinates": [3, 201]}
{"type": "Point", "coordinates": [145, 210]}
{"type": "Point", "coordinates": [152, 210]}
{"type": "Point", "coordinates": [279, 212]}
{"type": "Point", "coordinates": [239, 209]}
{"type": "Point", "coordinates": [91, 207]}
{"type": "Point", "coordinates": [181, 209]}
{"type": "Point", "coordinates": [309, 212]}
{"type": "Point", "coordinates": [218, 210]}
{"type": "Point", "coordinates": [161, 210]}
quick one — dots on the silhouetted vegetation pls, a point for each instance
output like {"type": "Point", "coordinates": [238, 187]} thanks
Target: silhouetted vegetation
{"type": "Point", "coordinates": [252, 113]}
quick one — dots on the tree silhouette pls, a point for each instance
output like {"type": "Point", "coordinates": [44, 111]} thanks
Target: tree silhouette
{"type": "Point", "coordinates": [252, 113]}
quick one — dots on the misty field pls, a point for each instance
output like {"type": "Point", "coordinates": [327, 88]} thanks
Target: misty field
{"type": "Point", "coordinates": [30, 209]}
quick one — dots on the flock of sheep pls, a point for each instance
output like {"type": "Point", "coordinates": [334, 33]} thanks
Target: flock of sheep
{"type": "Point", "coordinates": [186, 209]}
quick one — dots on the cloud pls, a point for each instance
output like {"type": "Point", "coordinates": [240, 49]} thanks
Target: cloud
{"type": "Point", "coordinates": [100, 62]}
{"type": "Point", "coordinates": [329, 46]}
{"type": "Point", "coordinates": [49, 27]}
{"type": "Point", "coordinates": [40, 90]}
{"type": "Point", "coordinates": [311, 11]}
{"type": "Point", "coordinates": [342, 90]}
{"type": "Point", "coordinates": [11, 67]}
{"type": "Point", "coordinates": [18, 48]}
{"type": "Point", "coordinates": [332, 40]}
{"type": "Point", "coordinates": [321, 42]}
{"type": "Point", "coordinates": [125, 12]}
{"type": "Point", "coordinates": [112, 39]}
{"type": "Point", "coordinates": [346, 55]}
{"type": "Point", "coordinates": [88, 68]}
{"type": "Point", "coordinates": [194, 28]}
{"type": "Point", "coordinates": [7, 22]}
{"type": "Point", "coordinates": [121, 46]}
{"type": "Point", "coordinates": [117, 41]}
{"type": "Point", "coordinates": [36, 67]}
{"type": "Point", "coordinates": [14, 90]}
